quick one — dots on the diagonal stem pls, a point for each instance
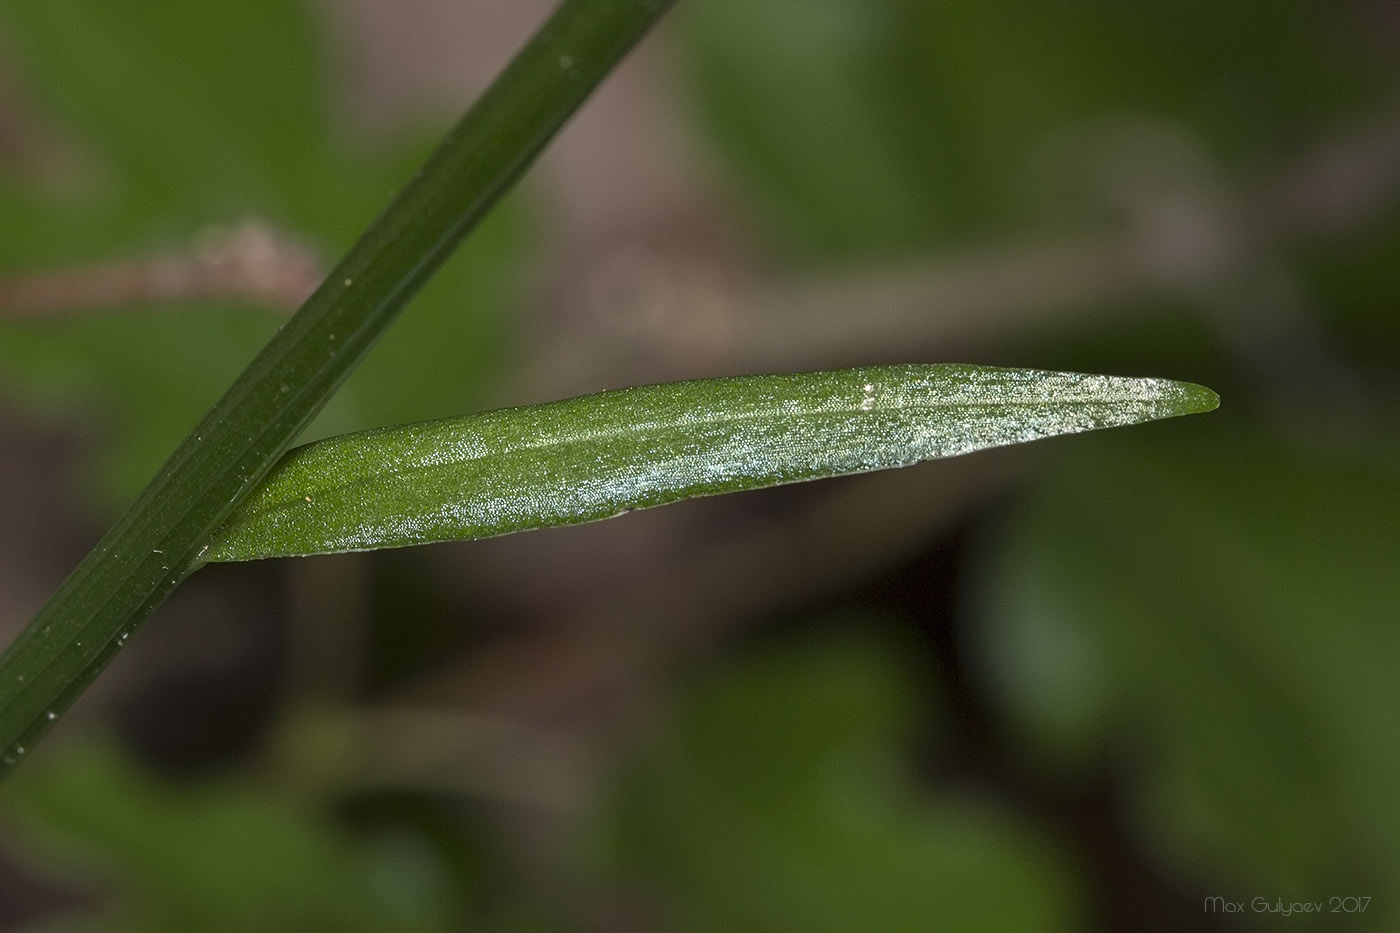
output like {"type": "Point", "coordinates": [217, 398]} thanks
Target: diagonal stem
{"type": "Point", "coordinates": [162, 537]}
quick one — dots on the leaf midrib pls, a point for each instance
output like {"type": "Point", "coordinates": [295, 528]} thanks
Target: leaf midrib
{"type": "Point", "coordinates": [613, 432]}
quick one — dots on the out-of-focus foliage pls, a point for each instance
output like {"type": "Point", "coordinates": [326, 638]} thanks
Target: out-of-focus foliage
{"type": "Point", "coordinates": [182, 118]}
{"type": "Point", "coordinates": [781, 801]}
{"type": "Point", "coordinates": [860, 127]}
{"type": "Point", "coordinates": [1225, 618]}
{"type": "Point", "coordinates": [215, 855]}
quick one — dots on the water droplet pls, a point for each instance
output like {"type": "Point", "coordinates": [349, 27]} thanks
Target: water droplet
{"type": "Point", "coordinates": [19, 749]}
{"type": "Point", "coordinates": [868, 402]}
{"type": "Point", "coordinates": [50, 715]}
{"type": "Point", "coordinates": [349, 281]}
{"type": "Point", "coordinates": [566, 62]}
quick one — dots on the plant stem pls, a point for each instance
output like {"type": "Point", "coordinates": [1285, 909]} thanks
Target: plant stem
{"type": "Point", "coordinates": [162, 537]}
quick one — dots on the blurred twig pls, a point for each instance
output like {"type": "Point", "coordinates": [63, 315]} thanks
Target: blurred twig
{"type": "Point", "coordinates": [251, 262]}
{"type": "Point", "coordinates": [1185, 233]}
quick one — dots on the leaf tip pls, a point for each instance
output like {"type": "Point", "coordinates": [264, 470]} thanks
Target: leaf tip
{"type": "Point", "coordinates": [1195, 399]}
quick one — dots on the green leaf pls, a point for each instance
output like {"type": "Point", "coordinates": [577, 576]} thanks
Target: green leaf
{"type": "Point", "coordinates": [593, 457]}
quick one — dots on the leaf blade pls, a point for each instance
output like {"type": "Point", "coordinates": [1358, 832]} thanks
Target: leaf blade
{"type": "Point", "coordinates": [596, 456]}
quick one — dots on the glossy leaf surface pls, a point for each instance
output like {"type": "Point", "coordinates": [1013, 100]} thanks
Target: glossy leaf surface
{"type": "Point", "coordinates": [593, 457]}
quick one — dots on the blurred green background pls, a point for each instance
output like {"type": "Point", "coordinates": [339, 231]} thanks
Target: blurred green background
{"type": "Point", "coordinates": [1087, 684]}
